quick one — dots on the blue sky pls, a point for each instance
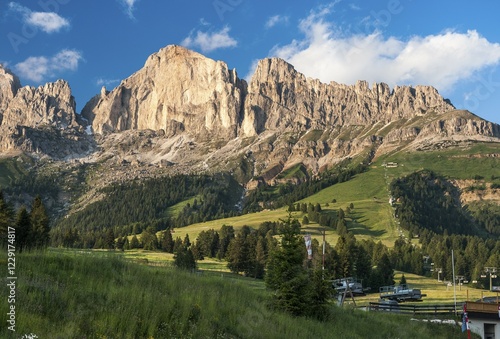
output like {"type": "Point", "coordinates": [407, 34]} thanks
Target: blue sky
{"type": "Point", "coordinates": [452, 45]}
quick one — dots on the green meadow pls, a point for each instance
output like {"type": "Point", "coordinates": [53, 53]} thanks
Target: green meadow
{"type": "Point", "coordinates": [97, 294]}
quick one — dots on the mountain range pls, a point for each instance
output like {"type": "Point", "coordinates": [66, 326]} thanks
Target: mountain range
{"type": "Point", "coordinates": [185, 113]}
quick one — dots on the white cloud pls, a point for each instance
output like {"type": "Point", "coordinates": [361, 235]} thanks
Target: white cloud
{"type": "Point", "coordinates": [49, 22]}
{"type": "Point", "coordinates": [129, 7]}
{"type": "Point", "coordinates": [276, 19]}
{"type": "Point", "coordinates": [39, 67]}
{"type": "Point", "coordinates": [33, 68]}
{"type": "Point", "coordinates": [442, 60]}
{"type": "Point", "coordinates": [210, 41]}
{"type": "Point", "coordinates": [106, 82]}
{"type": "Point", "coordinates": [354, 7]}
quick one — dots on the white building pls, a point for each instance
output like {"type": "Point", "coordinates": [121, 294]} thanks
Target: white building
{"type": "Point", "coordinates": [484, 319]}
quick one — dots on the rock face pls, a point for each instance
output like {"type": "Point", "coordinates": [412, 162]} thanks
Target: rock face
{"type": "Point", "coordinates": [179, 90]}
{"type": "Point", "coordinates": [280, 96]}
{"type": "Point", "coordinates": [42, 120]}
{"type": "Point", "coordinates": [9, 85]}
{"type": "Point", "coordinates": [50, 105]}
{"type": "Point", "coordinates": [176, 90]}
{"type": "Point", "coordinates": [196, 115]}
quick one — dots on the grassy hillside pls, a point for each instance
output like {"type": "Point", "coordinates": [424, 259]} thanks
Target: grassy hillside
{"type": "Point", "coordinates": [64, 294]}
{"type": "Point", "coordinates": [372, 216]}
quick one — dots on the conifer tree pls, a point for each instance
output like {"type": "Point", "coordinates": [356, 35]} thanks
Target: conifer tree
{"type": "Point", "coordinates": [167, 242]}
{"type": "Point", "coordinates": [184, 259]}
{"type": "Point", "coordinates": [286, 275]}
{"type": "Point", "coordinates": [40, 227]}
{"type": "Point", "coordinates": [6, 219]}
{"type": "Point", "coordinates": [23, 229]}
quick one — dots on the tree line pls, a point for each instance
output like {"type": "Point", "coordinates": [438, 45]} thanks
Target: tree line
{"type": "Point", "coordinates": [428, 207]}
{"type": "Point", "coordinates": [132, 208]}
{"type": "Point", "coordinates": [287, 194]}
{"type": "Point", "coordinates": [32, 227]}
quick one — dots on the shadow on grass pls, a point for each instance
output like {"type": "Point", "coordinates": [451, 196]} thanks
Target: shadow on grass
{"type": "Point", "coordinates": [357, 228]}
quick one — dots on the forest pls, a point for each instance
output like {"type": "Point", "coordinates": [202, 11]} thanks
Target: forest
{"type": "Point", "coordinates": [138, 216]}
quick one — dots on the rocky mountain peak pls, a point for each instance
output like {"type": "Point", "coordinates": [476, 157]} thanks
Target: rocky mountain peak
{"type": "Point", "coordinates": [9, 85]}
{"type": "Point", "coordinates": [51, 104]}
{"type": "Point", "coordinates": [176, 90]}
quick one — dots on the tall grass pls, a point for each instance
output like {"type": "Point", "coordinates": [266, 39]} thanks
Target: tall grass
{"type": "Point", "coordinates": [63, 294]}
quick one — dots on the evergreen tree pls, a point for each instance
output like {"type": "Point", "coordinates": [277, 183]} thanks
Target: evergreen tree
{"type": "Point", "coordinates": [186, 241]}
{"type": "Point", "coordinates": [134, 243]}
{"type": "Point", "coordinates": [238, 255]}
{"type": "Point", "coordinates": [167, 242]}
{"type": "Point", "coordinates": [109, 239]}
{"type": "Point", "coordinates": [149, 240]}
{"type": "Point", "coordinates": [184, 259]}
{"type": "Point", "coordinates": [40, 224]}
{"type": "Point", "coordinates": [385, 271]}
{"type": "Point", "coordinates": [260, 258]}
{"type": "Point", "coordinates": [23, 229]}
{"type": "Point", "coordinates": [177, 244]}
{"type": "Point", "coordinates": [6, 219]}
{"type": "Point", "coordinates": [305, 220]}
{"type": "Point", "coordinates": [226, 234]}
{"type": "Point", "coordinates": [286, 275]}
{"type": "Point", "coordinates": [403, 280]}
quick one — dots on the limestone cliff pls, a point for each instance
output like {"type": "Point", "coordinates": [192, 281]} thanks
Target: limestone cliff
{"type": "Point", "coordinates": [279, 96]}
{"type": "Point", "coordinates": [176, 90]}
{"type": "Point", "coordinates": [51, 104]}
{"type": "Point", "coordinates": [194, 114]}
{"type": "Point", "coordinates": [42, 120]}
{"type": "Point", "coordinates": [9, 85]}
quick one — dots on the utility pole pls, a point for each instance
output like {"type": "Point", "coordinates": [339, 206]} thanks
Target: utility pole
{"type": "Point", "coordinates": [324, 245]}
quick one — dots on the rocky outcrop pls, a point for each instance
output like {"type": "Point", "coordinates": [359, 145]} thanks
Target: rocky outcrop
{"type": "Point", "coordinates": [176, 89]}
{"type": "Point", "coordinates": [280, 96]}
{"type": "Point", "coordinates": [43, 120]}
{"type": "Point", "coordinates": [48, 105]}
{"type": "Point", "coordinates": [9, 85]}
{"type": "Point", "coordinates": [200, 117]}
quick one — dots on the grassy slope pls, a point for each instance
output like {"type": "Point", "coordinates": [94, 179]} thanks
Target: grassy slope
{"type": "Point", "coordinates": [372, 214]}
{"type": "Point", "coordinates": [10, 170]}
{"type": "Point", "coordinates": [76, 295]}
{"type": "Point", "coordinates": [438, 292]}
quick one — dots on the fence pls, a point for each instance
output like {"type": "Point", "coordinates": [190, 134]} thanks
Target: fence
{"type": "Point", "coordinates": [415, 309]}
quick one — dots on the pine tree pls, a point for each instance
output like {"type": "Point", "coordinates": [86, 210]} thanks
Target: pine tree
{"type": "Point", "coordinates": [109, 239]}
{"type": "Point", "coordinates": [6, 219]}
{"type": "Point", "coordinates": [184, 259]}
{"type": "Point", "coordinates": [167, 242]}
{"type": "Point", "coordinates": [134, 242]}
{"type": "Point", "coordinates": [238, 256]}
{"type": "Point", "coordinates": [286, 275]}
{"type": "Point", "coordinates": [260, 258]}
{"type": "Point", "coordinates": [186, 241]}
{"type": "Point", "coordinates": [23, 229]}
{"type": "Point", "coordinates": [40, 224]}
{"type": "Point", "coordinates": [403, 280]}
{"type": "Point", "coordinates": [226, 234]}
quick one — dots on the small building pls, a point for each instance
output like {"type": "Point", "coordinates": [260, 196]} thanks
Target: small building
{"type": "Point", "coordinates": [484, 318]}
